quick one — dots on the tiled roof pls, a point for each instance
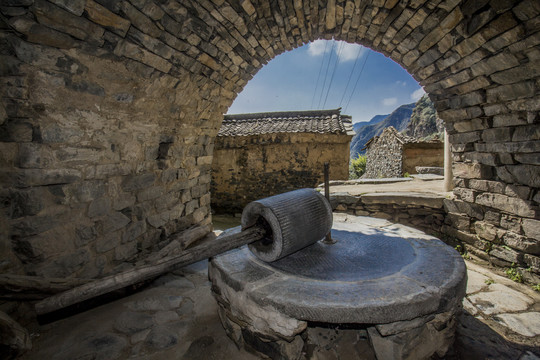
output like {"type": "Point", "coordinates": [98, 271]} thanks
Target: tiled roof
{"type": "Point", "coordinates": [316, 121]}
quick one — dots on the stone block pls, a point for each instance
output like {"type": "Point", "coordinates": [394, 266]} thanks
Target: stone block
{"type": "Point", "coordinates": [126, 251]}
{"type": "Point", "coordinates": [133, 231]}
{"type": "Point", "coordinates": [139, 20]}
{"type": "Point", "coordinates": [511, 223]}
{"type": "Point", "coordinates": [150, 193]}
{"type": "Point", "coordinates": [472, 171]}
{"type": "Point", "coordinates": [122, 201]}
{"type": "Point", "coordinates": [506, 254]}
{"type": "Point", "coordinates": [532, 261]}
{"type": "Point", "coordinates": [525, 174]}
{"type": "Point", "coordinates": [74, 25]}
{"type": "Point", "coordinates": [521, 243]}
{"type": "Point", "coordinates": [85, 234]}
{"type": "Point", "coordinates": [76, 7]}
{"type": "Point", "coordinates": [487, 185]}
{"type": "Point", "coordinates": [531, 228]}
{"type": "Point", "coordinates": [107, 242]}
{"type": "Point", "coordinates": [485, 230]}
{"type": "Point", "coordinates": [510, 92]}
{"type": "Point", "coordinates": [46, 36]}
{"type": "Point", "coordinates": [99, 207]}
{"type": "Point", "coordinates": [114, 221]}
{"type": "Point", "coordinates": [458, 221]}
{"type": "Point", "coordinates": [102, 16]}
{"type": "Point", "coordinates": [465, 194]}
{"type": "Point", "coordinates": [132, 51]}
{"type": "Point", "coordinates": [505, 203]}
{"type": "Point", "coordinates": [138, 182]}
{"type": "Point", "coordinates": [502, 134]}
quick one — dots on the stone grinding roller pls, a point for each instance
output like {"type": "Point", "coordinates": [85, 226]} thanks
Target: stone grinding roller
{"type": "Point", "coordinates": [293, 221]}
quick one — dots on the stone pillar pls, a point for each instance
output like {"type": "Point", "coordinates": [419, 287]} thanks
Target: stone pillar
{"type": "Point", "coordinates": [448, 176]}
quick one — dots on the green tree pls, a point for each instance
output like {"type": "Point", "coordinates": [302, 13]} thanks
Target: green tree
{"type": "Point", "coordinates": [357, 167]}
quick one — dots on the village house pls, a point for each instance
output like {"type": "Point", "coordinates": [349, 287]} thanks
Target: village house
{"type": "Point", "coordinates": [393, 154]}
{"type": "Point", "coordinates": [262, 154]}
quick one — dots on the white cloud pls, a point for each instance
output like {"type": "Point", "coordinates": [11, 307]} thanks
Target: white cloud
{"type": "Point", "coordinates": [344, 50]}
{"type": "Point", "coordinates": [389, 101]}
{"type": "Point", "coordinates": [401, 83]}
{"type": "Point", "coordinates": [417, 94]}
{"type": "Point", "coordinates": [317, 47]}
{"type": "Point", "coordinates": [349, 51]}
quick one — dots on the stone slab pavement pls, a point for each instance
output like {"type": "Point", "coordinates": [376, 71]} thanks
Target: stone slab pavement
{"type": "Point", "coordinates": [175, 317]}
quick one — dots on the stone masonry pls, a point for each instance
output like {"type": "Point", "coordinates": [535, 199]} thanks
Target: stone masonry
{"type": "Point", "coordinates": [110, 109]}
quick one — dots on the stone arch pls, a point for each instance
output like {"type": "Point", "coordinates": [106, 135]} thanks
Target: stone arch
{"type": "Point", "coordinates": [109, 110]}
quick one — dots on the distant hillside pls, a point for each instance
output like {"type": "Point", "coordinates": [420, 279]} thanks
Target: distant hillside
{"type": "Point", "coordinates": [398, 119]}
{"type": "Point", "coordinates": [374, 120]}
{"type": "Point", "coordinates": [425, 124]}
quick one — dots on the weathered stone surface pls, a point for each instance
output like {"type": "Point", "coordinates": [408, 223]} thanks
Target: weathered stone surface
{"type": "Point", "coordinates": [419, 199]}
{"type": "Point", "coordinates": [100, 15]}
{"type": "Point", "coordinates": [132, 322]}
{"type": "Point", "coordinates": [492, 302]}
{"type": "Point", "coordinates": [354, 268]}
{"type": "Point", "coordinates": [505, 203]}
{"type": "Point", "coordinates": [531, 228]}
{"type": "Point", "coordinates": [75, 7]}
{"type": "Point", "coordinates": [526, 324]}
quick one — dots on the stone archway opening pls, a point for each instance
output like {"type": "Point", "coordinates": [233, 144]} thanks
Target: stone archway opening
{"type": "Point", "coordinates": [110, 111]}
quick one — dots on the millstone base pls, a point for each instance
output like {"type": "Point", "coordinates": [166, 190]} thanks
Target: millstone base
{"type": "Point", "coordinates": [383, 291]}
{"type": "Point", "coordinates": [420, 338]}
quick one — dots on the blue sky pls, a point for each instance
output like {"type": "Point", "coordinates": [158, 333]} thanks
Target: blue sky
{"type": "Point", "coordinates": [289, 82]}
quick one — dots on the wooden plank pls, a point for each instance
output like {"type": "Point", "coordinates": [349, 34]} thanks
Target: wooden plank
{"type": "Point", "coordinates": [146, 272]}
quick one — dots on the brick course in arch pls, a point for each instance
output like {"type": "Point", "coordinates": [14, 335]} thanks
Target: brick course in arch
{"type": "Point", "coordinates": [110, 108]}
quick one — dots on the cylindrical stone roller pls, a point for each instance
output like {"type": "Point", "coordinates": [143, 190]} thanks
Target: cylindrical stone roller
{"type": "Point", "coordinates": [294, 220]}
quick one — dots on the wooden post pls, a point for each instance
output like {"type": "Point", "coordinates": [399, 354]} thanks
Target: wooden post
{"type": "Point", "coordinates": [448, 176]}
{"type": "Point", "coordinates": [328, 239]}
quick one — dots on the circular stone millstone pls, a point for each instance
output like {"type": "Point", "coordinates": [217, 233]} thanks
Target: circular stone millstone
{"type": "Point", "coordinates": [376, 273]}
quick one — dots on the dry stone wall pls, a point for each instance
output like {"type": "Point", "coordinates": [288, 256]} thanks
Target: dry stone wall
{"type": "Point", "coordinates": [109, 111]}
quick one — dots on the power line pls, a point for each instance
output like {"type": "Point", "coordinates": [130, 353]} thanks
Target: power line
{"type": "Point", "coordinates": [341, 46]}
{"type": "Point", "coordinates": [351, 75]}
{"type": "Point", "coordinates": [319, 76]}
{"type": "Point", "coordinates": [357, 79]}
{"type": "Point", "coordinates": [326, 73]}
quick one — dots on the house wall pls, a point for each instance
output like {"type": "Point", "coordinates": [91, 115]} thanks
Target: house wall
{"type": "Point", "coordinates": [247, 168]}
{"type": "Point", "coordinates": [422, 154]}
{"type": "Point", "coordinates": [384, 158]}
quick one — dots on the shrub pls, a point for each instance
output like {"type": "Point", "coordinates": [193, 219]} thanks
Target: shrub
{"type": "Point", "coordinates": [357, 167]}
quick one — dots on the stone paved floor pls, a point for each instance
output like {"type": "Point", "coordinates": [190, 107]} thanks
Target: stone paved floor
{"type": "Point", "coordinates": [175, 317]}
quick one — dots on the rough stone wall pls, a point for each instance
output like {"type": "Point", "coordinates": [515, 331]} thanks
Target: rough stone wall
{"type": "Point", "coordinates": [422, 154]}
{"type": "Point", "coordinates": [184, 62]}
{"type": "Point", "coordinates": [384, 157]}
{"type": "Point", "coordinates": [248, 168]}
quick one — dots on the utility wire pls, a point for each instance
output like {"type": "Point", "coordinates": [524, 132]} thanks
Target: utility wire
{"type": "Point", "coordinates": [340, 49]}
{"type": "Point", "coordinates": [319, 76]}
{"type": "Point", "coordinates": [351, 75]}
{"type": "Point", "coordinates": [356, 83]}
{"type": "Point", "coordinates": [326, 73]}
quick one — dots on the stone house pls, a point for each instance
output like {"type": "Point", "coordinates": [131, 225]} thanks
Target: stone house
{"type": "Point", "coordinates": [393, 154]}
{"type": "Point", "coordinates": [263, 154]}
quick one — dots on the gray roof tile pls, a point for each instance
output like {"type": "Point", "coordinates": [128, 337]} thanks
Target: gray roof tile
{"type": "Point", "coordinates": [315, 121]}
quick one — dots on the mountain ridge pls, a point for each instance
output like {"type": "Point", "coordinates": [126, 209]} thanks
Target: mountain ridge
{"type": "Point", "coordinates": [399, 119]}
